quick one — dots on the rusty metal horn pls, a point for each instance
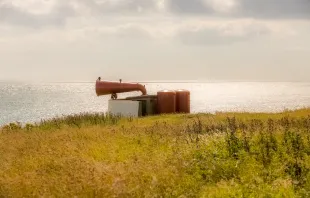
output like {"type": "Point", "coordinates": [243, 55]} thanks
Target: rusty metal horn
{"type": "Point", "coordinates": [113, 88]}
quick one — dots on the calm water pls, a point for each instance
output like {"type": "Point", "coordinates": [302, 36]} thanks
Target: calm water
{"type": "Point", "coordinates": [33, 102]}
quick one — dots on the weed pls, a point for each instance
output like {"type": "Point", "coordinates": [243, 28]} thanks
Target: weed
{"type": "Point", "coordinates": [102, 155]}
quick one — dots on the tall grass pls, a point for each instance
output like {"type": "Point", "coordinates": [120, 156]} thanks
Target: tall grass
{"type": "Point", "coordinates": [75, 120]}
{"type": "Point", "coordinates": [96, 155]}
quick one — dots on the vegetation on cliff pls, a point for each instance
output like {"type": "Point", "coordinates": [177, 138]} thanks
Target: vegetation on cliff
{"type": "Point", "coordinates": [201, 155]}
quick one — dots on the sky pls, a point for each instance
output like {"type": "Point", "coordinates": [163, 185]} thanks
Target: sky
{"type": "Point", "coordinates": [149, 40]}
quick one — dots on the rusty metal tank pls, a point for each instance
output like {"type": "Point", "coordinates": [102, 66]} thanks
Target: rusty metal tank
{"type": "Point", "coordinates": [182, 101]}
{"type": "Point", "coordinates": [108, 87]}
{"type": "Point", "coordinates": [166, 102]}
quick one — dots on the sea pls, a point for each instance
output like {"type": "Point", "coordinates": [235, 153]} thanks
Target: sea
{"type": "Point", "coordinates": [33, 102]}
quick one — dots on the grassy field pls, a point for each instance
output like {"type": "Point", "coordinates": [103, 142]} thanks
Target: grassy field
{"type": "Point", "coordinates": [201, 155]}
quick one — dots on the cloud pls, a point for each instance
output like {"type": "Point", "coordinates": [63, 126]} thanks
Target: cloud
{"type": "Point", "coordinates": [263, 9]}
{"type": "Point", "coordinates": [225, 34]}
{"type": "Point", "coordinates": [16, 14]}
{"type": "Point", "coordinates": [189, 32]}
{"type": "Point", "coordinates": [228, 8]}
{"type": "Point", "coordinates": [119, 7]}
{"type": "Point", "coordinates": [124, 31]}
{"type": "Point", "coordinates": [40, 13]}
{"type": "Point", "coordinates": [275, 9]}
{"type": "Point", "coordinates": [137, 19]}
{"type": "Point", "coordinates": [189, 7]}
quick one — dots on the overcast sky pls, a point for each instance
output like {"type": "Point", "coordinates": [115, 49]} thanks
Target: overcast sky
{"type": "Point", "coordinates": [79, 40]}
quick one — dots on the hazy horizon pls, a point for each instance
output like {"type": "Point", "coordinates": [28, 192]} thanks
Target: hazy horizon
{"type": "Point", "coordinates": [154, 40]}
{"type": "Point", "coordinates": [153, 81]}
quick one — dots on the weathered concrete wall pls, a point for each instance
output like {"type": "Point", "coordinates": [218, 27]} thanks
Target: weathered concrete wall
{"type": "Point", "coordinates": [125, 108]}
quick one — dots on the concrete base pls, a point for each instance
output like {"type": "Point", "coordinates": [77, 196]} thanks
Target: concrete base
{"type": "Point", "coordinates": [126, 108]}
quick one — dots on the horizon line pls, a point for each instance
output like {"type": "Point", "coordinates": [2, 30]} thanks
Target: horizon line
{"type": "Point", "coordinates": [161, 81]}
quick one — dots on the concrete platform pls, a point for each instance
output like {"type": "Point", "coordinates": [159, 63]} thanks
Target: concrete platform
{"type": "Point", "coordinates": [137, 106]}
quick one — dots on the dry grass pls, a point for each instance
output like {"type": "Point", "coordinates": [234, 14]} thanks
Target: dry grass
{"type": "Point", "coordinates": [222, 155]}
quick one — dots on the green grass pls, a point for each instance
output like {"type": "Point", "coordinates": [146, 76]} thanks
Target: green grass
{"type": "Point", "coordinates": [201, 155]}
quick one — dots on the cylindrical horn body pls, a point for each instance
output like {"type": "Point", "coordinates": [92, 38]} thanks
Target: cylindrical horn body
{"type": "Point", "coordinates": [106, 87]}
